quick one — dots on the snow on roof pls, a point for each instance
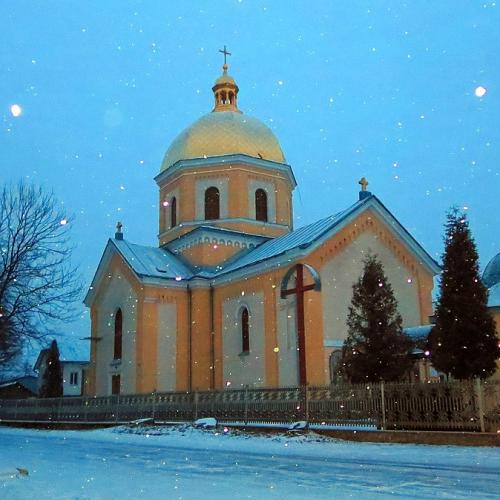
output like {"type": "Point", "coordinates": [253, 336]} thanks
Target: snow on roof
{"type": "Point", "coordinates": [419, 332]}
{"type": "Point", "coordinates": [28, 382]}
{"type": "Point", "coordinates": [152, 261]}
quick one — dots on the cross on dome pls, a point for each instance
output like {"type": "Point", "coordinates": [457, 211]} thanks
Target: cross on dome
{"type": "Point", "coordinates": [225, 88]}
{"type": "Point", "coordinates": [226, 53]}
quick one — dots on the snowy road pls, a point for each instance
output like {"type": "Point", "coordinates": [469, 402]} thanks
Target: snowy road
{"type": "Point", "coordinates": [194, 464]}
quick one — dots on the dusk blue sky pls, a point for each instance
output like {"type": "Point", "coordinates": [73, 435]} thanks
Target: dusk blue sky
{"type": "Point", "coordinates": [382, 89]}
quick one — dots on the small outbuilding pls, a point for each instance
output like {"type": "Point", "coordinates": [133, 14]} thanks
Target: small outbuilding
{"type": "Point", "coordinates": [73, 374]}
{"type": "Point", "coordinates": [19, 388]}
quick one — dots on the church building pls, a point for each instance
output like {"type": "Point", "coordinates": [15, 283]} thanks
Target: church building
{"type": "Point", "coordinates": [234, 295]}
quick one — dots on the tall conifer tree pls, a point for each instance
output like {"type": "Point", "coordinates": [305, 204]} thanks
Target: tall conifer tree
{"type": "Point", "coordinates": [463, 342]}
{"type": "Point", "coordinates": [52, 379]}
{"type": "Point", "coordinates": [376, 348]}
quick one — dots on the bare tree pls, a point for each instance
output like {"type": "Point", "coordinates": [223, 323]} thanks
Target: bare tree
{"type": "Point", "coordinates": [38, 285]}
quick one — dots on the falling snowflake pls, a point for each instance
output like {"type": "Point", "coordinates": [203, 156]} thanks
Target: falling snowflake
{"type": "Point", "coordinates": [16, 110]}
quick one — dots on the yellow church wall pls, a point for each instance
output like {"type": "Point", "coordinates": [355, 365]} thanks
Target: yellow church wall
{"type": "Point", "coordinates": [288, 373]}
{"type": "Point", "coordinates": [260, 367]}
{"type": "Point", "coordinates": [270, 283]}
{"type": "Point", "coordinates": [238, 205]}
{"type": "Point", "coordinates": [243, 368]}
{"type": "Point", "coordinates": [117, 291]}
{"type": "Point", "coordinates": [90, 378]}
{"type": "Point", "coordinates": [147, 341]}
{"type": "Point", "coordinates": [162, 340]}
{"type": "Point", "coordinates": [209, 254]}
{"type": "Point", "coordinates": [201, 340]}
{"type": "Point", "coordinates": [166, 365]}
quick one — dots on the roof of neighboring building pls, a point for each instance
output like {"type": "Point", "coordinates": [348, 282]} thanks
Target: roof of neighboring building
{"type": "Point", "coordinates": [40, 357]}
{"type": "Point", "coordinates": [28, 382]}
{"type": "Point", "coordinates": [491, 274]}
{"type": "Point", "coordinates": [45, 352]}
{"type": "Point", "coordinates": [494, 296]}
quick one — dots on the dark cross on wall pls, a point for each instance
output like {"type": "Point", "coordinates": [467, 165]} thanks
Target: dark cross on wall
{"type": "Point", "coordinates": [300, 289]}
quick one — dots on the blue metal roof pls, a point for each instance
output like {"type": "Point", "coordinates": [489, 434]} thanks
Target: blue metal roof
{"type": "Point", "coordinates": [153, 262]}
{"type": "Point", "coordinates": [300, 238]}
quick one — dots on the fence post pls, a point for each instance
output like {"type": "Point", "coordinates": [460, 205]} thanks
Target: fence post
{"type": "Point", "coordinates": [382, 400]}
{"type": "Point", "coordinates": [117, 403]}
{"type": "Point", "coordinates": [480, 402]}
{"type": "Point", "coordinates": [59, 404]}
{"type": "Point", "coordinates": [195, 405]}
{"type": "Point", "coordinates": [245, 402]}
{"type": "Point", "coordinates": [85, 409]}
{"type": "Point", "coordinates": [306, 403]}
{"type": "Point", "coordinates": [154, 406]}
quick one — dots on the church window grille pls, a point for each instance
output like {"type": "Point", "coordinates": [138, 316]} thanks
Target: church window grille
{"type": "Point", "coordinates": [118, 335]}
{"type": "Point", "coordinates": [173, 212]}
{"type": "Point", "coordinates": [261, 205]}
{"type": "Point", "coordinates": [245, 331]}
{"type": "Point", "coordinates": [212, 203]}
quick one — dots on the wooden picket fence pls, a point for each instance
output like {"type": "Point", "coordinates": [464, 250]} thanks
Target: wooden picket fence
{"type": "Point", "coordinates": [458, 406]}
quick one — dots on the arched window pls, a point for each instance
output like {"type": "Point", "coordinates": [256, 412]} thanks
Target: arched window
{"type": "Point", "coordinates": [261, 205]}
{"type": "Point", "coordinates": [245, 331]}
{"type": "Point", "coordinates": [212, 198]}
{"type": "Point", "coordinates": [118, 335]}
{"type": "Point", "coordinates": [173, 212]}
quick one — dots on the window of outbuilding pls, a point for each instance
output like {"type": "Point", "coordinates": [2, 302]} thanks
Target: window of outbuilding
{"type": "Point", "coordinates": [261, 205]}
{"type": "Point", "coordinates": [212, 203]}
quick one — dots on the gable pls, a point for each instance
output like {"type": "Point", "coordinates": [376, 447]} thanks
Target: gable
{"type": "Point", "coordinates": [141, 264]}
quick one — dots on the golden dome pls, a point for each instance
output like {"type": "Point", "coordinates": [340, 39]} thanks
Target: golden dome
{"type": "Point", "coordinates": [224, 133]}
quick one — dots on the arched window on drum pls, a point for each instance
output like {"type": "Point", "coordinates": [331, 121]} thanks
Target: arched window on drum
{"type": "Point", "coordinates": [212, 203]}
{"type": "Point", "coordinates": [261, 205]}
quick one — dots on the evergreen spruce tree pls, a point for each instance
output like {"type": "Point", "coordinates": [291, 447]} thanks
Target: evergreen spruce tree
{"type": "Point", "coordinates": [376, 348]}
{"type": "Point", "coordinates": [463, 342]}
{"type": "Point", "coordinates": [52, 380]}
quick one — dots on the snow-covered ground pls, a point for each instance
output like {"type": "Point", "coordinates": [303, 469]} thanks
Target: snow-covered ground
{"type": "Point", "coordinates": [196, 464]}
